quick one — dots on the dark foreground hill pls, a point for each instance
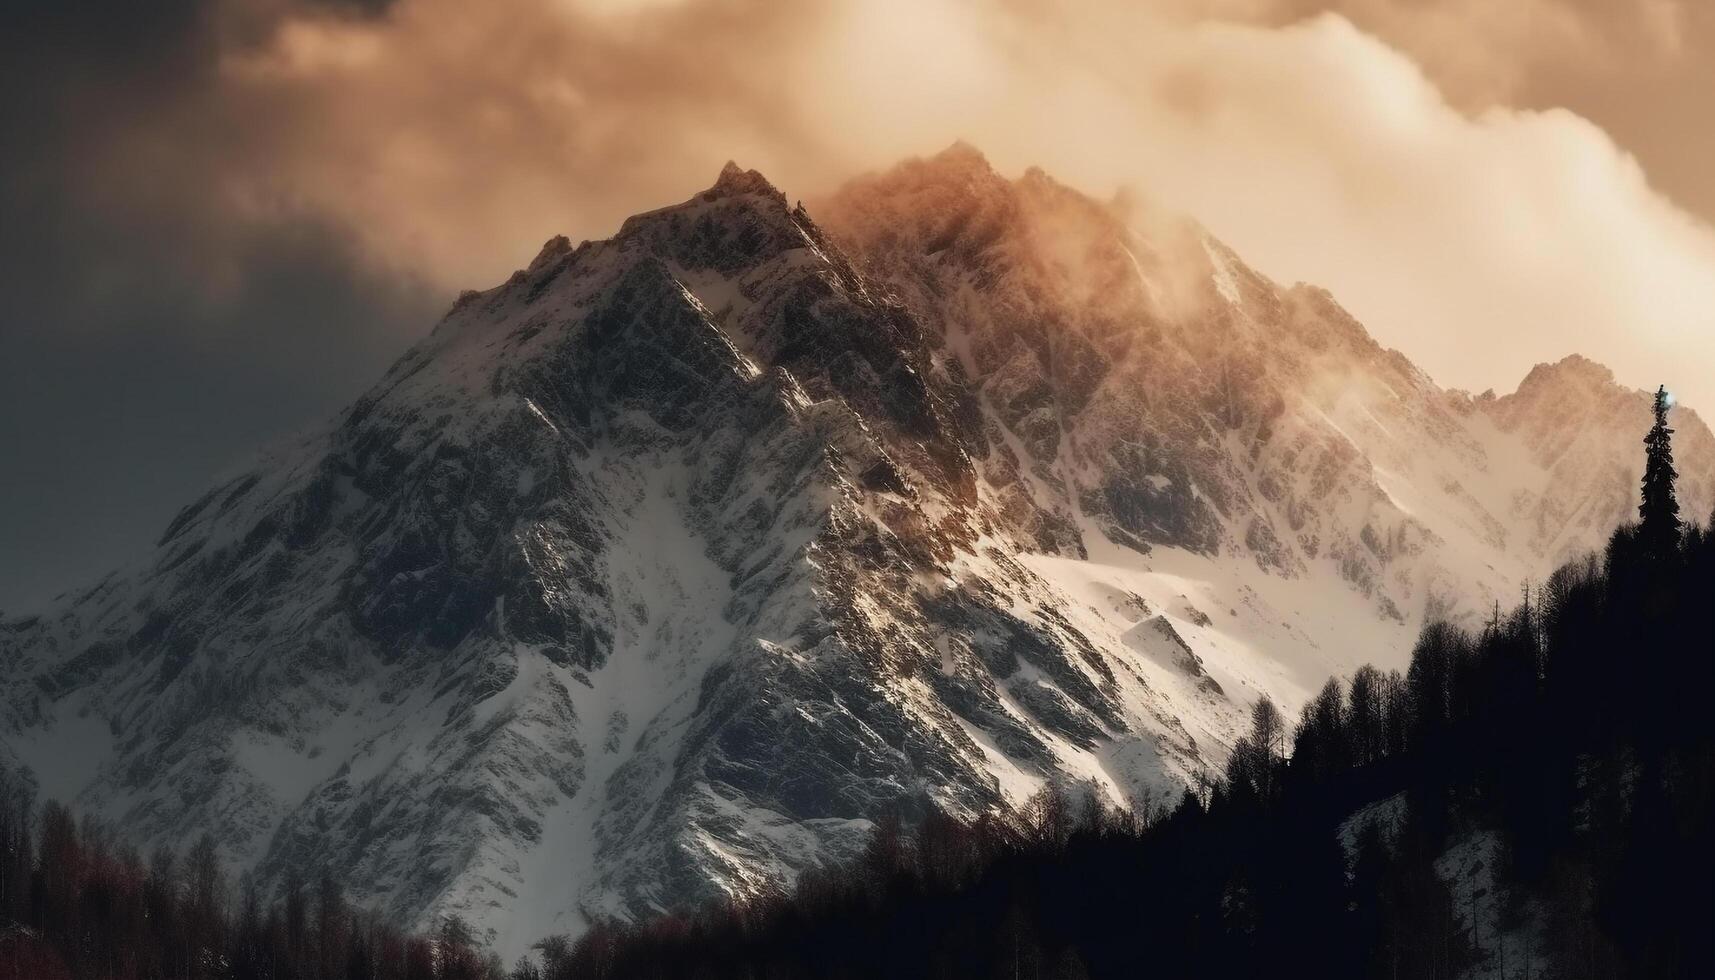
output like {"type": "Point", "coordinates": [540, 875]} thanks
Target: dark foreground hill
{"type": "Point", "coordinates": [662, 572]}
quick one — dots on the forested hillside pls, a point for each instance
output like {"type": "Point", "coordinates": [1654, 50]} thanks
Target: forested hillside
{"type": "Point", "coordinates": [1533, 799]}
{"type": "Point", "coordinates": [1567, 741]}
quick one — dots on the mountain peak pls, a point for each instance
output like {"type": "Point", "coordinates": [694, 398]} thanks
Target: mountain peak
{"type": "Point", "coordinates": [554, 248]}
{"type": "Point", "coordinates": [963, 156]}
{"type": "Point", "coordinates": [732, 224]}
{"type": "Point", "coordinates": [734, 179]}
{"type": "Point", "coordinates": [646, 550]}
{"type": "Point", "coordinates": [1550, 391]}
{"type": "Point", "coordinates": [1571, 369]}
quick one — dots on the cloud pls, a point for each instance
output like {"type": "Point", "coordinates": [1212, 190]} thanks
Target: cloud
{"type": "Point", "coordinates": [1479, 242]}
{"type": "Point", "coordinates": [1643, 70]}
{"type": "Point", "coordinates": [151, 330]}
{"type": "Point", "coordinates": [1478, 245]}
{"type": "Point", "coordinates": [179, 163]}
{"type": "Point", "coordinates": [1482, 52]}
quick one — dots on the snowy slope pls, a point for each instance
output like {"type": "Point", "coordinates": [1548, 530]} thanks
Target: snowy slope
{"type": "Point", "coordinates": [1149, 386]}
{"type": "Point", "coordinates": [658, 571]}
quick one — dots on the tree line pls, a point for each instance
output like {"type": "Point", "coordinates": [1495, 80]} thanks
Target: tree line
{"type": "Point", "coordinates": [1570, 732]}
{"type": "Point", "coordinates": [76, 902]}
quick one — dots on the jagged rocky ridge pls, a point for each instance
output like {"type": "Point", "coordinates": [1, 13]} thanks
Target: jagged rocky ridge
{"type": "Point", "coordinates": [658, 571]}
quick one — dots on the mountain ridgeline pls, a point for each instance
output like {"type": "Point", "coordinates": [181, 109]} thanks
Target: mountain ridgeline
{"type": "Point", "coordinates": [660, 573]}
{"type": "Point", "coordinates": [1525, 800]}
{"type": "Point", "coordinates": [1530, 799]}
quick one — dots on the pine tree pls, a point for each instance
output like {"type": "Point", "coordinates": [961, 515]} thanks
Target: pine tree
{"type": "Point", "coordinates": [1659, 524]}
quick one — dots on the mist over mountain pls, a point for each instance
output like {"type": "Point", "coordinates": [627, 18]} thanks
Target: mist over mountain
{"type": "Point", "coordinates": [660, 571]}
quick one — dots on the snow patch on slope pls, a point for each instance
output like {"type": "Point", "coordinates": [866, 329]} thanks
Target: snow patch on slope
{"type": "Point", "coordinates": [671, 631]}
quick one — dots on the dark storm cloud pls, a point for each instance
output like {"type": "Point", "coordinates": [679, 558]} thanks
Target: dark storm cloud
{"type": "Point", "coordinates": [148, 335]}
{"type": "Point", "coordinates": [213, 235]}
{"type": "Point", "coordinates": [217, 217]}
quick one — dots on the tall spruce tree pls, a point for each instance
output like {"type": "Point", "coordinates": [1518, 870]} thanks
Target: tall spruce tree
{"type": "Point", "coordinates": [1659, 525]}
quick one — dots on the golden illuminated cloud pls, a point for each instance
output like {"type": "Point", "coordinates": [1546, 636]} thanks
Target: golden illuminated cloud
{"type": "Point", "coordinates": [1479, 238]}
{"type": "Point", "coordinates": [1410, 156]}
{"type": "Point", "coordinates": [219, 213]}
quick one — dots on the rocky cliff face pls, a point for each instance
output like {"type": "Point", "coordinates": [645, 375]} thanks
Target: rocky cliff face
{"type": "Point", "coordinates": [658, 571]}
{"type": "Point", "coordinates": [1574, 427]}
{"type": "Point", "coordinates": [1145, 382]}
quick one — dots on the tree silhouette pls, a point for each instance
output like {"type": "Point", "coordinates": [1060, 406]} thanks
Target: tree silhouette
{"type": "Point", "coordinates": [1324, 852]}
{"type": "Point", "coordinates": [1659, 526]}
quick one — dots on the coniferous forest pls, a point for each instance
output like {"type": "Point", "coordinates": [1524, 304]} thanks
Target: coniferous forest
{"type": "Point", "coordinates": [1531, 799]}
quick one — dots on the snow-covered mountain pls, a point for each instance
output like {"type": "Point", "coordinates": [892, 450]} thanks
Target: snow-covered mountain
{"type": "Point", "coordinates": [660, 570]}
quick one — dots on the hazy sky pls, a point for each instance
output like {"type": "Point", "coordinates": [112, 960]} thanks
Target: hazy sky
{"type": "Point", "coordinates": [222, 220]}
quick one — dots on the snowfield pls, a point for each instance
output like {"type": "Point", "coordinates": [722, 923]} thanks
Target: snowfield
{"type": "Point", "coordinates": [659, 571]}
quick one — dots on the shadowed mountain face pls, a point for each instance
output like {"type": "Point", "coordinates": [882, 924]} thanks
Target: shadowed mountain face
{"type": "Point", "coordinates": [660, 570]}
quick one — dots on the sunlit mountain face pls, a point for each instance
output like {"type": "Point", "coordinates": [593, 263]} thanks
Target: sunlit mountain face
{"type": "Point", "coordinates": [662, 570]}
{"type": "Point", "coordinates": [1241, 454]}
{"type": "Point", "coordinates": [227, 219]}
